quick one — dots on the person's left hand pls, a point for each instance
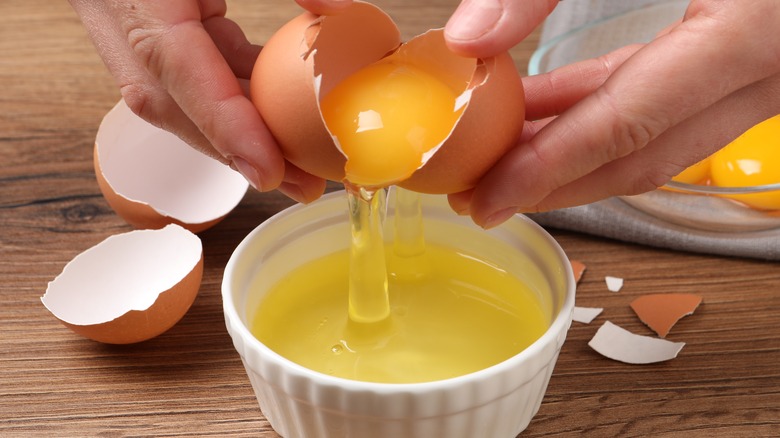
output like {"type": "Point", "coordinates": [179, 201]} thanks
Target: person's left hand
{"type": "Point", "coordinates": [184, 67]}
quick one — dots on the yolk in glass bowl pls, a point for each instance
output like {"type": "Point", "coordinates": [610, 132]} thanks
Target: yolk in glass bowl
{"type": "Point", "coordinates": [753, 159]}
{"type": "Point", "coordinates": [698, 173]}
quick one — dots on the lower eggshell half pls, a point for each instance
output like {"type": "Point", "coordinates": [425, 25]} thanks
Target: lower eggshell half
{"type": "Point", "coordinates": [137, 326]}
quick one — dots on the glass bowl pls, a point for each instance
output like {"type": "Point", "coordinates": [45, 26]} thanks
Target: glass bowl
{"type": "Point", "coordinates": [603, 36]}
{"type": "Point", "coordinates": [701, 207]}
{"type": "Point", "coordinates": [707, 207]}
{"type": "Point", "coordinates": [496, 401]}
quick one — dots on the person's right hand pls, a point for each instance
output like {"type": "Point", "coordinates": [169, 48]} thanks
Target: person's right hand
{"type": "Point", "coordinates": [627, 122]}
{"type": "Point", "coordinates": [182, 66]}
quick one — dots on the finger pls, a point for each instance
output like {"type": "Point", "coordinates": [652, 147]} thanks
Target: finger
{"type": "Point", "coordinates": [324, 7]}
{"type": "Point", "coordinates": [461, 202]}
{"type": "Point", "coordinates": [687, 143]}
{"type": "Point", "coordinates": [231, 42]}
{"type": "Point", "coordinates": [484, 28]}
{"type": "Point", "coordinates": [141, 90]}
{"type": "Point", "coordinates": [669, 28]}
{"type": "Point", "coordinates": [631, 110]}
{"type": "Point", "coordinates": [549, 94]}
{"type": "Point", "coordinates": [171, 42]}
{"type": "Point", "coordinates": [301, 186]}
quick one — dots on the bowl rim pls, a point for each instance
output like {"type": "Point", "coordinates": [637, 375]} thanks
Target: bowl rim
{"type": "Point", "coordinates": [558, 325]}
{"type": "Point", "coordinates": [720, 190]}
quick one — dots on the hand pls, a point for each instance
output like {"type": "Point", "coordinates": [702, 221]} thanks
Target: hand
{"type": "Point", "coordinates": [627, 122]}
{"type": "Point", "coordinates": [183, 66]}
{"type": "Point", "coordinates": [484, 28]}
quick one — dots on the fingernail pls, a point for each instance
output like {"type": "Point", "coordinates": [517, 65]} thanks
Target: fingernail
{"type": "Point", "coordinates": [499, 217]}
{"type": "Point", "coordinates": [462, 210]}
{"type": "Point", "coordinates": [293, 192]}
{"type": "Point", "coordinates": [248, 171]}
{"type": "Point", "coordinates": [474, 19]}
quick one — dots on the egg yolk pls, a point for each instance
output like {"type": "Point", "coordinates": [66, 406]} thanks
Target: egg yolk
{"type": "Point", "coordinates": [753, 159]}
{"type": "Point", "coordinates": [695, 174]}
{"type": "Point", "coordinates": [386, 117]}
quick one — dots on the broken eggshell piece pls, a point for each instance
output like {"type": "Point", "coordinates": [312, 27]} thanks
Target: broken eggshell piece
{"type": "Point", "coordinates": [585, 315]}
{"type": "Point", "coordinates": [151, 178]}
{"type": "Point", "coordinates": [661, 312]}
{"type": "Point", "coordinates": [619, 344]}
{"type": "Point", "coordinates": [130, 287]}
{"type": "Point", "coordinates": [308, 56]}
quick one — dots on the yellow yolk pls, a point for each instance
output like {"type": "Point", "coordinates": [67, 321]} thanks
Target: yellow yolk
{"type": "Point", "coordinates": [753, 159]}
{"type": "Point", "coordinates": [386, 117]}
{"type": "Point", "coordinates": [695, 174]}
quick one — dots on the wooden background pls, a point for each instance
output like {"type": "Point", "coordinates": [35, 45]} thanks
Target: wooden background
{"type": "Point", "coordinates": [189, 381]}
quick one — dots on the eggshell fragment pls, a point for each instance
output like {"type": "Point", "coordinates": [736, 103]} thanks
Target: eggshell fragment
{"type": "Point", "coordinates": [619, 344]}
{"type": "Point", "coordinates": [578, 268]}
{"type": "Point", "coordinates": [662, 311]}
{"type": "Point", "coordinates": [614, 284]}
{"type": "Point", "coordinates": [152, 178]}
{"type": "Point", "coordinates": [130, 287]}
{"type": "Point", "coordinates": [585, 315]}
{"type": "Point", "coordinates": [310, 54]}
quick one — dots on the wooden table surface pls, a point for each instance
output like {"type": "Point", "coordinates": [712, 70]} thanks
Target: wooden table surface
{"type": "Point", "coordinates": [190, 381]}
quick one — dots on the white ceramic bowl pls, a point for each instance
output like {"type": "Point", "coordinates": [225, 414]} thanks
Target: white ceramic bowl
{"type": "Point", "coordinates": [693, 206]}
{"type": "Point", "coordinates": [498, 401]}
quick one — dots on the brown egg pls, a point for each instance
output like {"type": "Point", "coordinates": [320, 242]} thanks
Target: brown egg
{"type": "Point", "coordinates": [151, 178]}
{"type": "Point", "coordinates": [129, 288]}
{"type": "Point", "coordinates": [309, 55]}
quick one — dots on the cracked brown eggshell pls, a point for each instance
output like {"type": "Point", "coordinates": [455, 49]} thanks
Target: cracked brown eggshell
{"type": "Point", "coordinates": [307, 56]}
{"type": "Point", "coordinates": [130, 287]}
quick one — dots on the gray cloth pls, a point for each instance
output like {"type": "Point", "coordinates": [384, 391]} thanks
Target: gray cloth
{"type": "Point", "coordinates": [615, 219]}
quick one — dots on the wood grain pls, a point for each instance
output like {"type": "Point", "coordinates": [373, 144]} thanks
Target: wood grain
{"type": "Point", "coordinates": [190, 381]}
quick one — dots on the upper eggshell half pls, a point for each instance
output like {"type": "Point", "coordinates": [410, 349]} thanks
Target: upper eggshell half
{"type": "Point", "coordinates": [129, 288]}
{"type": "Point", "coordinates": [152, 178]}
{"type": "Point", "coordinates": [310, 54]}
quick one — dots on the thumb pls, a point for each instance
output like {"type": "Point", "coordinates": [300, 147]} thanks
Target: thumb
{"type": "Point", "coordinates": [484, 28]}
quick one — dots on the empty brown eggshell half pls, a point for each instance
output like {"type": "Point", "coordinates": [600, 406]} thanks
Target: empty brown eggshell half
{"type": "Point", "coordinates": [151, 178]}
{"type": "Point", "coordinates": [310, 54]}
{"type": "Point", "coordinates": [130, 287]}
